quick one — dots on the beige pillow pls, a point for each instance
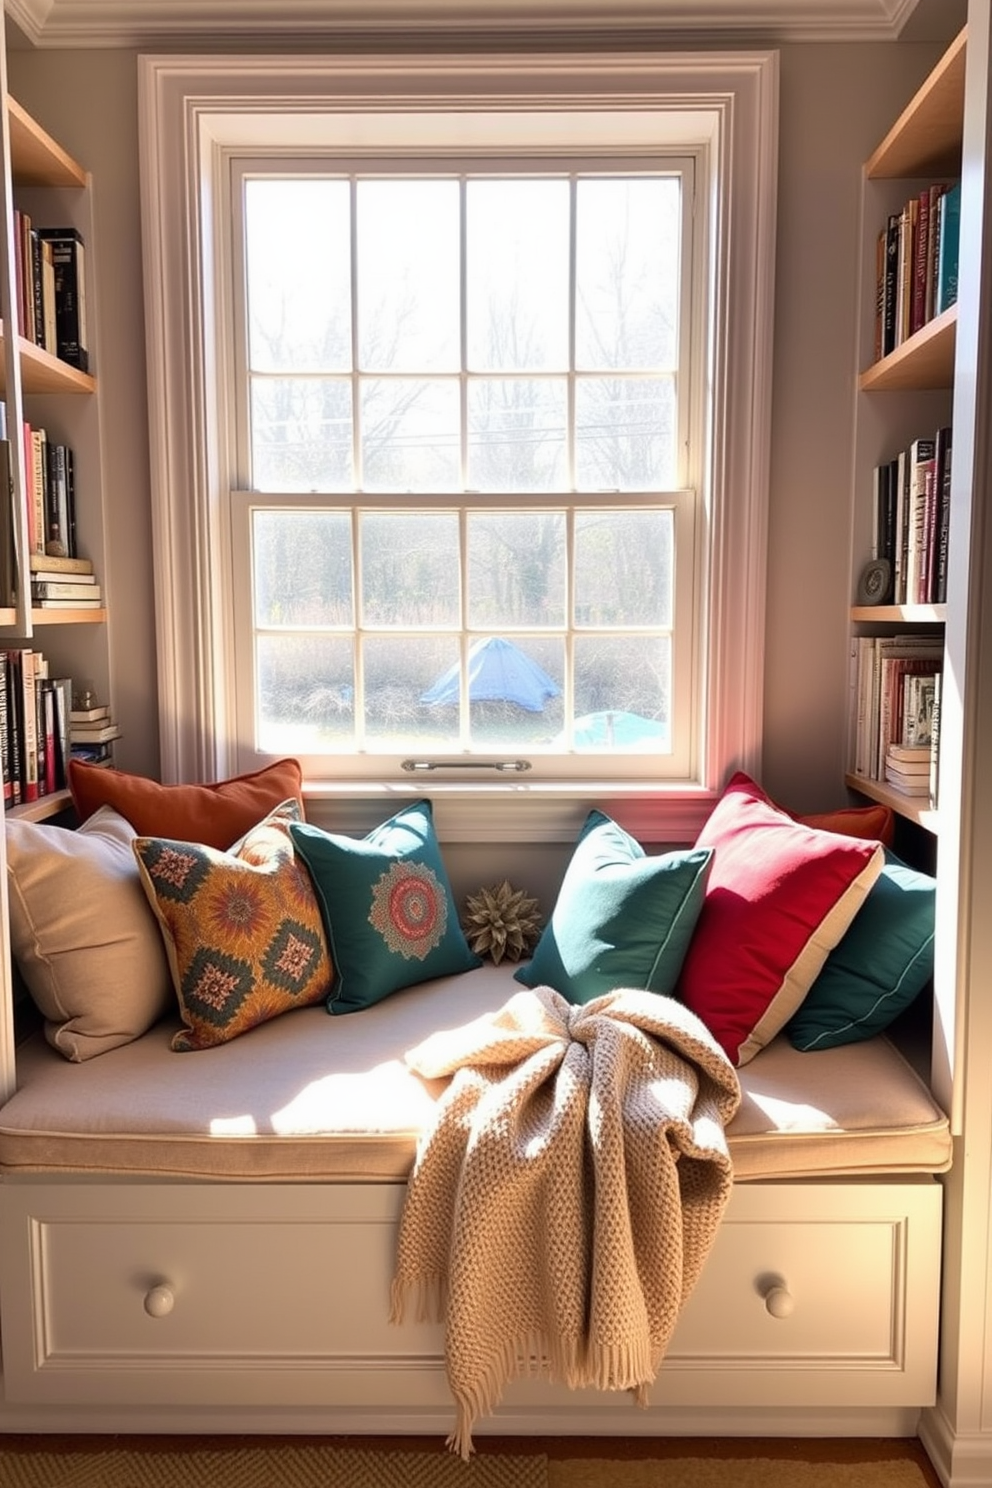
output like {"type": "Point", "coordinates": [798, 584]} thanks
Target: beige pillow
{"type": "Point", "coordinates": [83, 934]}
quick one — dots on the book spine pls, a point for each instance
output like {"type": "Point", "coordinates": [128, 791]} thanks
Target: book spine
{"type": "Point", "coordinates": [29, 727]}
{"type": "Point", "coordinates": [921, 456]}
{"type": "Point", "coordinates": [891, 284]}
{"type": "Point", "coordinates": [57, 520]}
{"type": "Point", "coordinates": [947, 263]}
{"type": "Point", "coordinates": [62, 695]}
{"type": "Point", "coordinates": [935, 739]}
{"type": "Point", "coordinates": [56, 589]}
{"type": "Point", "coordinates": [37, 321]}
{"type": "Point", "coordinates": [68, 255]}
{"type": "Point", "coordinates": [39, 482]}
{"type": "Point", "coordinates": [943, 521]}
{"type": "Point", "coordinates": [14, 725]}
{"type": "Point", "coordinates": [920, 234]}
{"type": "Point", "coordinates": [8, 786]}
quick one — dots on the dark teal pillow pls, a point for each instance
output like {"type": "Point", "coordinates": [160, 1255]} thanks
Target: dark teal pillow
{"type": "Point", "coordinates": [883, 962]}
{"type": "Point", "coordinates": [622, 918]}
{"type": "Point", "coordinates": [387, 907]}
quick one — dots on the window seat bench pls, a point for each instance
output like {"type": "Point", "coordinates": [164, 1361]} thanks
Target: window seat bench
{"type": "Point", "coordinates": [204, 1241]}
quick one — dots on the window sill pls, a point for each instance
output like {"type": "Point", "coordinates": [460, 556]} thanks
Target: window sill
{"type": "Point", "coordinates": [514, 811]}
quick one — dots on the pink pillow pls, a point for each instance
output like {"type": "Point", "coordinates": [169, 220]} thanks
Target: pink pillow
{"type": "Point", "coordinates": [779, 897]}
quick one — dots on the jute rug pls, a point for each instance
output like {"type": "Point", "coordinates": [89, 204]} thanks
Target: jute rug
{"type": "Point", "coordinates": [169, 1462]}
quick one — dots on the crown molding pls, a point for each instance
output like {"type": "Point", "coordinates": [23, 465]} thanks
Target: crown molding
{"type": "Point", "coordinates": [143, 23]}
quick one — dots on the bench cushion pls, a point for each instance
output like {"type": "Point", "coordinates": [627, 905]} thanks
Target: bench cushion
{"type": "Point", "coordinates": [310, 1097]}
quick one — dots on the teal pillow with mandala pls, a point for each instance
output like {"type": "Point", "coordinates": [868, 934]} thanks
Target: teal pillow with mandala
{"type": "Point", "coordinates": [387, 905]}
{"type": "Point", "coordinates": [242, 929]}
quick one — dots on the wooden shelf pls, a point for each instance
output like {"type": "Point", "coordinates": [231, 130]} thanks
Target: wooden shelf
{"type": "Point", "coordinates": [924, 361]}
{"type": "Point", "coordinates": [36, 159]}
{"type": "Point", "coordinates": [910, 614]}
{"type": "Point", "coordinates": [43, 808]}
{"type": "Point", "coordinates": [68, 617]}
{"type": "Point", "coordinates": [926, 138]}
{"type": "Point", "coordinates": [43, 373]}
{"type": "Point", "coordinates": [913, 808]}
{"type": "Point", "coordinates": [8, 618]}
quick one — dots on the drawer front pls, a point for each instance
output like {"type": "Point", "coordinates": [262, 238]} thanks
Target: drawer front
{"type": "Point", "coordinates": [185, 1294]}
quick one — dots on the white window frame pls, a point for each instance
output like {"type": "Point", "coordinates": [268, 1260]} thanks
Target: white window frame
{"type": "Point", "coordinates": [193, 112]}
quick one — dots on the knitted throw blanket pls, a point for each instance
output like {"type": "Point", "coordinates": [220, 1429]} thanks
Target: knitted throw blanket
{"type": "Point", "coordinates": [563, 1203]}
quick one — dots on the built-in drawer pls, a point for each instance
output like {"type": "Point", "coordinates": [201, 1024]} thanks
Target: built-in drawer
{"type": "Point", "coordinates": [264, 1294]}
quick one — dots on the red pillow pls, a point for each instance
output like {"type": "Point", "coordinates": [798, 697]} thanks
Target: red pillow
{"type": "Point", "coordinates": [779, 897]}
{"type": "Point", "coordinates": [215, 815]}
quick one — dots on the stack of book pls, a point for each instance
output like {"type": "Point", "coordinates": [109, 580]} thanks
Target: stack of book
{"type": "Point", "coordinates": [63, 584]}
{"type": "Point", "coordinates": [92, 732]}
{"type": "Point", "coordinates": [907, 768]}
{"type": "Point", "coordinates": [34, 726]}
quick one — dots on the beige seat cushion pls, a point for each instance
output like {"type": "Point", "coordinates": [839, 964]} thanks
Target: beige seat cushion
{"type": "Point", "coordinates": [310, 1097]}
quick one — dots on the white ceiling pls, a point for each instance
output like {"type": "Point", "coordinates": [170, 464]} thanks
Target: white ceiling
{"type": "Point", "coordinates": [109, 23]}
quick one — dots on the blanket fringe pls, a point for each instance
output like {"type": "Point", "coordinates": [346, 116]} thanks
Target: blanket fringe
{"type": "Point", "coordinates": [562, 1361]}
{"type": "Point", "coordinates": [428, 1294]}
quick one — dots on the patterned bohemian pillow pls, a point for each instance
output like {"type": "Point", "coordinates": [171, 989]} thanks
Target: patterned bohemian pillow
{"type": "Point", "coordinates": [242, 929]}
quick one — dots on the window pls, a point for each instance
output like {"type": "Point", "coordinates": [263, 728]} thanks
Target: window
{"type": "Point", "coordinates": [468, 459]}
{"type": "Point", "coordinates": [511, 339]}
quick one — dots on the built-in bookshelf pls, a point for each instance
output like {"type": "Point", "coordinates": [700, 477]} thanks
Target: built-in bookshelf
{"type": "Point", "coordinates": [49, 387]}
{"type": "Point", "coordinates": [907, 360]}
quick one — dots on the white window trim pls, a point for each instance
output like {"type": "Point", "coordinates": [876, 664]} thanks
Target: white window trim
{"type": "Point", "coordinates": [191, 109]}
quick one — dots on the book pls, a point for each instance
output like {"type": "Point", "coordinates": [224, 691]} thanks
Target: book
{"type": "Point", "coordinates": [51, 567]}
{"type": "Point", "coordinates": [63, 576]}
{"type": "Point", "coordinates": [37, 483]}
{"type": "Point", "coordinates": [907, 754]}
{"type": "Point", "coordinates": [62, 694]}
{"type": "Point", "coordinates": [917, 316]}
{"type": "Point", "coordinates": [13, 670]}
{"type": "Point", "coordinates": [8, 787]}
{"type": "Point", "coordinates": [909, 785]}
{"type": "Point", "coordinates": [891, 280]}
{"type": "Point", "coordinates": [67, 604]}
{"type": "Point", "coordinates": [8, 551]}
{"type": "Point", "coordinates": [46, 736]}
{"type": "Point", "coordinates": [938, 683]}
{"type": "Point", "coordinates": [57, 530]}
{"type": "Point", "coordinates": [63, 589]}
{"type": "Point", "coordinates": [947, 254]}
{"type": "Point", "coordinates": [68, 256]}
{"type": "Point", "coordinates": [89, 715]}
{"type": "Point", "coordinates": [922, 453]}
{"type": "Point", "coordinates": [904, 286]}
{"type": "Point", "coordinates": [92, 754]}
{"type": "Point", "coordinates": [918, 696]}
{"type": "Point", "coordinates": [930, 293]}
{"type": "Point", "coordinates": [28, 721]}
{"type": "Point", "coordinates": [90, 734]}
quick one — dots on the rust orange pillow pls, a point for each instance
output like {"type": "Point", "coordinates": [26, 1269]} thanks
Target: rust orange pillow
{"type": "Point", "coordinates": [779, 897]}
{"type": "Point", "coordinates": [216, 815]}
{"type": "Point", "coordinates": [876, 822]}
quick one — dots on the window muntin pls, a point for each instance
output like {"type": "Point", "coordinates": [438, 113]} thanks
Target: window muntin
{"type": "Point", "coordinates": [514, 339]}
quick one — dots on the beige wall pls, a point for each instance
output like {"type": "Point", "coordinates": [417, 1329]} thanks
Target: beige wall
{"type": "Point", "coordinates": [836, 102]}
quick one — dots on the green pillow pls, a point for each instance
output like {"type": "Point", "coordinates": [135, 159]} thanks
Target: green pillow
{"type": "Point", "coordinates": [883, 962]}
{"type": "Point", "coordinates": [387, 907]}
{"type": "Point", "coordinates": [622, 918]}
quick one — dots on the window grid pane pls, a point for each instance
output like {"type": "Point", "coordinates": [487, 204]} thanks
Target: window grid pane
{"type": "Point", "coordinates": [538, 628]}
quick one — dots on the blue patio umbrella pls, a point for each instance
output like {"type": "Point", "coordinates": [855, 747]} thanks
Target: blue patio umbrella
{"type": "Point", "coordinates": [614, 728]}
{"type": "Point", "coordinates": [498, 672]}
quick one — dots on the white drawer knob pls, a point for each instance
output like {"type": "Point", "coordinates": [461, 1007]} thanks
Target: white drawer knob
{"type": "Point", "coordinates": [780, 1302]}
{"type": "Point", "coordinates": [160, 1301]}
